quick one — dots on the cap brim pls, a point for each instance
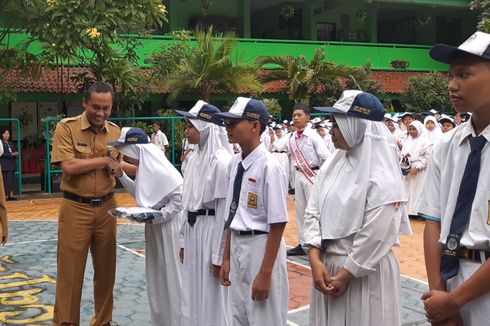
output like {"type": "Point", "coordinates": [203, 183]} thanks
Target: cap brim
{"type": "Point", "coordinates": [115, 143]}
{"type": "Point", "coordinates": [227, 116]}
{"type": "Point", "coordinates": [328, 109]}
{"type": "Point", "coordinates": [443, 53]}
{"type": "Point", "coordinates": [186, 114]}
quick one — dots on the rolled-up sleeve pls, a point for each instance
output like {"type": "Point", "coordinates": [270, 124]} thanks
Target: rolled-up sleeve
{"type": "Point", "coordinates": [312, 227]}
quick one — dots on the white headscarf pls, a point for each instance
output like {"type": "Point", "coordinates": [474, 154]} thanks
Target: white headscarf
{"type": "Point", "coordinates": [365, 176]}
{"type": "Point", "coordinates": [202, 183]}
{"type": "Point", "coordinates": [411, 144]}
{"type": "Point", "coordinates": [155, 178]}
{"type": "Point", "coordinates": [435, 134]}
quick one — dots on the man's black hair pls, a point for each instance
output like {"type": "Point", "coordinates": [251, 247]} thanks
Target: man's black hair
{"type": "Point", "coordinates": [156, 122]}
{"type": "Point", "coordinates": [99, 87]}
{"type": "Point", "coordinates": [262, 128]}
{"type": "Point", "coordinates": [302, 107]}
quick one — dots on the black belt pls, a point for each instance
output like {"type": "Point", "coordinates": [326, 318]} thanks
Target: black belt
{"type": "Point", "coordinates": [473, 254]}
{"type": "Point", "coordinates": [279, 152]}
{"type": "Point", "coordinates": [91, 201]}
{"type": "Point", "coordinates": [191, 216]}
{"type": "Point", "coordinates": [250, 232]}
{"type": "Point", "coordinates": [313, 168]}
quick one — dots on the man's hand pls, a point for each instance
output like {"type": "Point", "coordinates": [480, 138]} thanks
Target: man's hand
{"type": "Point", "coordinates": [113, 167]}
{"type": "Point", "coordinates": [3, 241]}
{"type": "Point", "coordinates": [439, 306]}
{"type": "Point", "coordinates": [224, 273]}
{"type": "Point", "coordinates": [261, 286]}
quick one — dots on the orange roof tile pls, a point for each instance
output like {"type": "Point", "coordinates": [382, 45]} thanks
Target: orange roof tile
{"type": "Point", "coordinates": [392, 82]}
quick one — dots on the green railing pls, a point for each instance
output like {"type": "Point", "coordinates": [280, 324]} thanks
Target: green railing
{"type": "Point", "coordinates": [47, 163]}
{"type": "Point", "coordinates": [18, 170]}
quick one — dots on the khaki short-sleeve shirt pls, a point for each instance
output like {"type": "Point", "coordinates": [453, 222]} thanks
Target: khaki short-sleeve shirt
{"type": "Point", "coordinates": [75, 139]}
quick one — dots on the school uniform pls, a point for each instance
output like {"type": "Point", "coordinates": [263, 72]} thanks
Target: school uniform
{"type": "Point", "coordinates": [279, 149]}
{"type": "Point", "coordinates": [314, 152]}
{"type": "Point", "coordinates": [205, 301]}
{"type": "Point", "coordinates": [262, 202]}
{"type": "Point", "coordinates": [159, 139]}
{"type": "Point", "coordinates": [158, 186]}
{"type": "Point", "coordinates": [443, 180]}
{"type": "Point", "coordinates": [352, 219]}
{"type": "Point", "coordinates": [420, 150]}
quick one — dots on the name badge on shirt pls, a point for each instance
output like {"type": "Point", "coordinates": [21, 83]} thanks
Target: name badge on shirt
{"type": "Point", "coordinates": [252, 200]}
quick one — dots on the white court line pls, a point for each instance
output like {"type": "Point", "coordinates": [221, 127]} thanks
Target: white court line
{"type": "Point", "coordinates": [415, 279]}
{"type": "Point", "coordinates": [290, 323]}
{"type": "Point", "coordinates": [292, 311]}
{"type": "Point", "coordinates": [130, 250]}
{"type": "Point", "coordinates": [26, 242]}
{"type": "Point", "coordinates": [298, 264]}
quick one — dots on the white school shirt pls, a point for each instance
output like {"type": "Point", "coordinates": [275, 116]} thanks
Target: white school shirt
{"type": "Point", "coordinates": [160, 140]}
{"type": "Point", "coordinates": [311, 145]}
{"type": "Point", "coordinates": [441, 187]}
{"type": "Point", "coordinates": [263, 192]}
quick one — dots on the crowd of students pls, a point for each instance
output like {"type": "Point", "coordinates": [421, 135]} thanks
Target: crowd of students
{"type": "Point", "coordinates": [216, 254]}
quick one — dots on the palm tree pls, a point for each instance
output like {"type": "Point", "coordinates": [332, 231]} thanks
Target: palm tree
{"type": "Point", "coordinates": [209, 68]}
{"type": "Point", "coordinates": [303, 78]}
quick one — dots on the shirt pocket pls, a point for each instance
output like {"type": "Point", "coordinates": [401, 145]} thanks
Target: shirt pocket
{"type": "Point", "coordinates": [83, 152]}
{"type": "Point", "coordinates": [254, 196]}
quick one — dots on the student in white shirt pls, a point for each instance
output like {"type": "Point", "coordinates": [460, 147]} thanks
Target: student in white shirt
{"type": "Point", "coordinates": [157, 186]}
{"type": "Point", "coordinates": [279, 149]}
{"type": "Point", "coordinates": [205, 301]}
{"type": "Point", "coordinates": [308, 152]}
{"type": "Point", "coordinates": [254, 262]}
{"type": "Point", "coordinates": [158, 138]}
{"type": "Point", "coordinates": [457, 195]}
{"type": "Point", "coordinates": [187, 149]}
{"type": "Point", "coordinates": [352, 221]}
{"type": "Point", "coordinates": [432, 129]}
{"type": "Point", "coordinates": [447, 124]}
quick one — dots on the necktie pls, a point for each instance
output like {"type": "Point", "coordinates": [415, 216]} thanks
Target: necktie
{"type": "Point", "coordinates": [299, 133]}
{"type": "Point", "coordinates": [237, 185]}
{"type": "Point", "coordinates": [191, 218]}
{"type": "Point", "coordinates": [462, 211]}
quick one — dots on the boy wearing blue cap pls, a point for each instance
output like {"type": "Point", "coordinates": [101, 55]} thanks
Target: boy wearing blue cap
{"type": "Point", "coordinates": [254, 261]}
{"type": "Point", "coordinates": [456, 195]}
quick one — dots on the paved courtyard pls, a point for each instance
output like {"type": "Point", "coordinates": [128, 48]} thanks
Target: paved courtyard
{"type": "Point", "coordinates": [28, 271]}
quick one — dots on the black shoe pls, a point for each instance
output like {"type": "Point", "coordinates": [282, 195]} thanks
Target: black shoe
{"type": "Point", "coordinates": [296, 251]}
{"type": "Point", "coordinates": [11, 198]}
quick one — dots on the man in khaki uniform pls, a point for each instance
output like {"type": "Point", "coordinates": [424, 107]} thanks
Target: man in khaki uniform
{"type": "Point", "coordinates": [4, 228]}
{"type": "Point", "coordinates": [88, 165]}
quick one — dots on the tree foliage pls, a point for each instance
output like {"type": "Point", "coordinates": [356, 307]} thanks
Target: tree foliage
{"type": "Point", "coordinates": [85, 32]}
{"type": "Point", "coordinates": [426, 92]}
{"type": "Point", "coordinates": [209, 67]}
{"type": "Point", "coordinates": [484, 19]}
{"type": "Point", "coordinates": [307, 81]}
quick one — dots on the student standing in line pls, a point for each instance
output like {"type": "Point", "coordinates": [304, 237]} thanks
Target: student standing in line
{"type": "Point", "coordinates": [158, 138]}
{"type": "Point", "coordinates": [456, 201]}
{"type": "Point", "coordinates": [352, 221]}
{"type": "Point", "coordinates": [157, 186]}
{"type": "Point", "coordinates": [254, 261]}
{"type": "Point", "coordinates": [308, 152]}
{"type": "Point", "coordinates": [205, 301]}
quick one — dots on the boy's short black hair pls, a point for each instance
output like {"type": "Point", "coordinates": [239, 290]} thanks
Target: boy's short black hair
{"type": "Point", "coordinates": [262, 128]}
{"type": "Point", "coordinates": [99, 87]}
{"type": "Point", "coordinates": [302, 107]}
{"type": "Point", "coordinates": [156, 122]}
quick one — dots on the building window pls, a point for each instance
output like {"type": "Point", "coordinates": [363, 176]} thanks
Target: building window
{"type": "Point", "coordinates": [402, 31]}
{"type": "Point", "coordinates": [326, 31]}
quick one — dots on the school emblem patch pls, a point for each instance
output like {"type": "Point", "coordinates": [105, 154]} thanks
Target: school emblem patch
{"type": "Point", "coordinates": [252, 200]}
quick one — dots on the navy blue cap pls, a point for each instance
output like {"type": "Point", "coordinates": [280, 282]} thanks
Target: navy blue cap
{"type": "Point", "coordinates": [131, 135]}
{"type": "Point", "coordinates": [202, 111]}
{"type": "Point", "coordinates": [477, 44]}
{"type": "Point", "coordinates": [246, 108]}
{"type": "Point", "coordinates": [358, 104]}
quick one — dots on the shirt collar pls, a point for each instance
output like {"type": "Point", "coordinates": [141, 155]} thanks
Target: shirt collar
{"type": "Point", "coordinates": [85, 124]}
{"type": "Point", "coordinates": [253, 156]}
{"type": "Point", "coordinates": [467, 130]}
{"type": "Point", "coordinates": [306, 132]}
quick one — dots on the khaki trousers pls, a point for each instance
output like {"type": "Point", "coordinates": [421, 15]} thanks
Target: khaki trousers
{"type": "Point", "coordinates": [80, 227]}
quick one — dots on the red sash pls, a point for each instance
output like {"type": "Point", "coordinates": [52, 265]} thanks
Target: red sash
{"type": "Point", "coordinates": [301, 163]}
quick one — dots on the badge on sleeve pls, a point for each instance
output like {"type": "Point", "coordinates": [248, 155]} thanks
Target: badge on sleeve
{"type": "Point", "coordinates": [252, 200]}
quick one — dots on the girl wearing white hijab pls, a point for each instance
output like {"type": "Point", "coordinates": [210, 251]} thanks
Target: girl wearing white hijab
{"type": "Point", "coordinates": [433, 130]}
{"type": "Point", "coordinates": [205, 301]}
{"type": "Point", "coordinates": [418, 149]}
{"type": "Point", "coordinates": [354, 216]}
{"type": "Point", "coordinates": [158, 185]}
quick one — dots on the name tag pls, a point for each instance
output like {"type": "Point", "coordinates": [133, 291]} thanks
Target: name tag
{"type": "Point", "coordinates": [81, 144]}
{"type": "Point", "coordinates": [252, 200]}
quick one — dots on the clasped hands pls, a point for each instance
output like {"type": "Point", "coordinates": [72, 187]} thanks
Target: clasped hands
{"type": "Point", "coordinates": [113, 167]}
{"type": "Point", "coordinates": [333, 286]}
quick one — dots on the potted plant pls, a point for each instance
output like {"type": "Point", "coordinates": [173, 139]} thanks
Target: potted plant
{"type": "Point", "coordinates": [399, 63]}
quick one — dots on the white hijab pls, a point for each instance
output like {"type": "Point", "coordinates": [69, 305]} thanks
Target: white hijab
{"type": "Point", "coordinates": [365, 176]}
{"type": "Point", "coordinates": [155, 178]}
{"type": "Point", "coordinates": [202, 183]}
{"type": "Point", "coordinates": [435, 134]}
{"type": "Point", "coordinates": [411, 145]}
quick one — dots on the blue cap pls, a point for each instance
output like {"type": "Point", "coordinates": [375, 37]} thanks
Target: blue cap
{"type": "Point", "coordinates": [246, 108]}
{"type": "Point", "coordinates": [477, 44]}
{"type": "Point", "coordinates": [202, 111]}
{"type": "Point", "coordinates": [131, 135]}
{"type": "Point", "coordinates": [358, 104]}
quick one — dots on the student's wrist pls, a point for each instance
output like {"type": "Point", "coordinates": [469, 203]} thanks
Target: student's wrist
{"type": "Point", "coordinates": [457, 299]}
{"type": "Point", "coordinates": [265, 272]}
